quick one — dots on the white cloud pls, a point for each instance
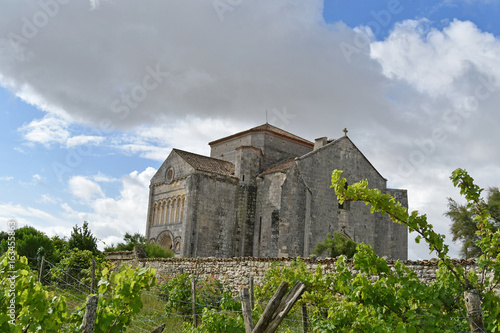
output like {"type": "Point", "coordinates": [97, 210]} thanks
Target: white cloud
{"type": "Point", "coordinates": [438, 62]}
{"type": "Point", "coordinates": [176, 58]}
{"type": "Point", "coordinates": [189, 133]}
{"type": "Point", "coordinates": [102, 178]}
{"type": "Point", "coordinates": [6, 178]}
{"type": "Point", "coordinates": [84, 188]}
{"type": "Point", "coordinates": [46, 131]}
{"type": "Point", "coordinates": [83, 139]}
{"type": "Point", "coordinates": [25, 215]}
{"type": "Point", "coordinates": [47, 198]}
{"type": "Point", "coordinates": [110, 217]}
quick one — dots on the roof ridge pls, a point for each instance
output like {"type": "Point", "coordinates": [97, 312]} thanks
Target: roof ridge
{"type": "Point", "coordinates": [206, 163]}
{"type": "Point", "coordinates": [200, 155]}
{"type": "Point", "coordinates": [267, 128]}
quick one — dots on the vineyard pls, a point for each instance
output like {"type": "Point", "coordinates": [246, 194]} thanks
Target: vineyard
{"type": "Point", "coordinates": [363, 295]}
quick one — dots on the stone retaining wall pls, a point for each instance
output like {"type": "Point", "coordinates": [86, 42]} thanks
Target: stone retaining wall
{"type": "Point", "coordinates": [235, 272]}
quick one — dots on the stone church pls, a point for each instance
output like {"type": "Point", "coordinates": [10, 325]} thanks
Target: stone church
{"type": "Point", "coordinates": [265, 192]}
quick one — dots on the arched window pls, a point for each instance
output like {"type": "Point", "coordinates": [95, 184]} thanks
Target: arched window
{"type": "Point", "coordinates": [182, 208]}
{"type": "Point", "coordinates": [167, 211]}
{"type": "Point", "coordinates": [172, 213]}
{"type": "Point", "coordinates": [177, 209]}
{"type": "Point", "coordinates": [160, 213]}
{"type": "Point", "coordinates": [155, 214]}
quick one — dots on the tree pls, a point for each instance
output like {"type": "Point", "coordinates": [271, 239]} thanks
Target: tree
{"type": "Point", "coordinates": [129, 241]}
{"type": "Point", "coordinates": [463, 226]}
{"type": "Point", "coordinates": [60, 247]}
{"type": "Point", "coordinates": [31, 243]}
{"type": "Point", "coordinates": [397, 300]}
{"type": "Point", "coordinates": [336, 246]}
{"type": "Point", "coordinates": [82, 239]}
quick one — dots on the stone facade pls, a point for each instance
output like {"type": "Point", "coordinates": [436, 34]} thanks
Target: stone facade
{"type": "Point", "coordinates": [266, 192]}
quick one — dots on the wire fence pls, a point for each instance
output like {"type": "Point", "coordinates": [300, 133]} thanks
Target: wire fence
{"type": "Point", "coordinates": [153, 313]}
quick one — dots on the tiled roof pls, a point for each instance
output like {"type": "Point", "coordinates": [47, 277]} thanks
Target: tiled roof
{"type": "Point", "coordinates": [282, 166]}
{"type": "Point", "coordinates": [207, 164]}
{"type": "Point", "coordinates": [267, 128]}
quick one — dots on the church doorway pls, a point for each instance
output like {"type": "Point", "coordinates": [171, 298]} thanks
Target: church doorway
{"type": "Point", "coordinates": [166, 241]}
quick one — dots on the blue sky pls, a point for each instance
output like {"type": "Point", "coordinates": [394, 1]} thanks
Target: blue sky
{"type": "Point", "coordinates": [95, 94]}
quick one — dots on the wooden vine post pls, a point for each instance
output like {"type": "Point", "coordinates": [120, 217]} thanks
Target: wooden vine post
{"type": "Point", "coordinates": [474, 311]}
{"type": "Point", "coordinates": [252, 297]}
{"type": "Point", "coordinates": [90, 314]}
{"type": "Point", "coordinates": [246, 309]}
{"type": "Point", "coordinates": [305, 319]}
{"type": "Point", "coordinates": [193, 301]}
{"type": "Point", "coordinates": [40, 274]}
{"type": "Point", "coordinates": [93, 284]}
{"type": "Point", "coordinates": [278, 307]}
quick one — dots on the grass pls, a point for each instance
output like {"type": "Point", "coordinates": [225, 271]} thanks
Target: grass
{"type": "Point", "coordinates": [153, 315]}
{"type": "Point", "coordinates": [150, 317]}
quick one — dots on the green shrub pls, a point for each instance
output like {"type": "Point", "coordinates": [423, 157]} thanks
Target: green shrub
{"type": "Point", "coordinates": [177, 292]}
{"type": "Point", "coordinates": [154, 250]}
{"type": "Point", "coordinates": [215, 321]}
{"type": "Point", "coordinates": [336, 246]}
{"type": "Point", "coordinates": [76, 266]}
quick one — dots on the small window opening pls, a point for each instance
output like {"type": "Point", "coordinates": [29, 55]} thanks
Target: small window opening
{"type": "Point", "coordinates": [344, 204]}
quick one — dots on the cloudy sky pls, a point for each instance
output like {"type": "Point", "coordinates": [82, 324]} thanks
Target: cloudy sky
{"type": "Point", "coordinates": [94, 95]}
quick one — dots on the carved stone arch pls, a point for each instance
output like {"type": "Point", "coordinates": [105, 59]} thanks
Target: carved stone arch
{"type": "Point", "coordinates": [166, 239]}
{"type": "Point", "coordinates": [177, 245]}
{"type": "Point", "coordinates": [152, 240]}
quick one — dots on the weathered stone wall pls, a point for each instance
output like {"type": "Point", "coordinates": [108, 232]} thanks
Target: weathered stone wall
{"type": "Point", "coordinates": [278, 149]}
{"type": "Point", "coordinates": [267, 215]}
{"type": "Point", "coordinates": [211, 222]}
{"type": "Point", "coordinates": [235, 272]}
{"type": "Point", "coordinates": [293, 212]}
{"type": "Point", "coordinates": [274, 148]}
{"type": "Point", "coordinates": [317, 211]}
